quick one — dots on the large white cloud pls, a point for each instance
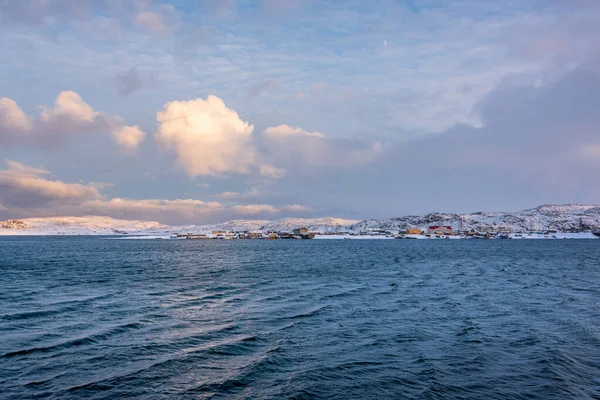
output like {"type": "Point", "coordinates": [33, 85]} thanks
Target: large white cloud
{"type": "Point", "coordinates": [69, 116]}
{"type": "Point", "coordinates": [207, 137]}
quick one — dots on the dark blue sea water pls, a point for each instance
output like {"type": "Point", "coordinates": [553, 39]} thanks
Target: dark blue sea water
{"type": "Point", "coordinates": [101, 318]}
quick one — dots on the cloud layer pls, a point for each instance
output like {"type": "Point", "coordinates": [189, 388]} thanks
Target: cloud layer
{"type": "Point", "coordinates": [28, 191]}
{"type": "Point", "coordinates": [26, 186]}
{"type": "Point", "coordinates": [297, 148]}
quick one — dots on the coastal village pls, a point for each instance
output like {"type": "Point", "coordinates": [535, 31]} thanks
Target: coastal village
{"type": "Point", "coordinates": [431, 232]}
{"type": "Point", "coordinates": [543, 222]}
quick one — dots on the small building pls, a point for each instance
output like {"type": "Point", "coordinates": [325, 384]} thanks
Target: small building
{"type": "Point", "coordinates": [301, 231]}
{"type": "Point", "coordinates": [414, 231]}
{"type": "Point", "coordinates": [378, 232]}
{"type": "Point", "coordinates": [485, 229]}
{"type": "Point", "coordinates": [219, 232]}
{"type": "Point", "coordinates": [254, 235]}
{"type": "Point", "coordinates": [439, 230]}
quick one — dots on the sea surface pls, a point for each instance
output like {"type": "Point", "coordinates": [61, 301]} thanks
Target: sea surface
{"type": "Point", "coordinates": [99, 318]}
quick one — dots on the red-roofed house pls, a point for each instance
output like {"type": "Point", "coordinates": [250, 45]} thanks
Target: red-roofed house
{"type": "Point", "coordinates": [439, 230]}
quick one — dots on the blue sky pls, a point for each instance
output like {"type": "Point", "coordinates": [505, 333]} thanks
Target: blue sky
{"type": "Point", "coordinates": [212, 110]}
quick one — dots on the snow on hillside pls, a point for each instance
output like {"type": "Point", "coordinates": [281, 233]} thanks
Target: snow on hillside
{"type": "Point", "coordinates": [562, 218]}
{"type": "Point", "coordinates": [322, 225]}
{"type": "Point", "coordinates": [568, 218]}
{"type": "Point", "coordinates": [88, 225]}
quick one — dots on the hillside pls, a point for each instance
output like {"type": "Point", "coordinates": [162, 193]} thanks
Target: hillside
{"type": "Point", "coordinates": [88, 225]}
{"type": "Point", "coordinates": [561, 218]}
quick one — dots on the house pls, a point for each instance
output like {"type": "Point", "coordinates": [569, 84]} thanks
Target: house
{"type": "Point", "coordinates": [254, 235]}
{"type": "Point", "coordinates": [439, 230]}
{"type": "Point", "coordinates": [301, 231]}
{"type": "Point", "coordinates": [219, 232]}
{"type": "Point", "coordinates": [414, 231]}
{"type": "Point", "coordinates": [376, 232]}
{"type": "Point", "coordinates": [485, 229]}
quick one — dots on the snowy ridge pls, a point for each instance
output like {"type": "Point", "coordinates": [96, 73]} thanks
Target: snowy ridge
{"type": "Point", "coordinates": [88, 225]}
{"type": "Point", "coordinates": [568, 218]}
{"type": "Point", "coordinates": [321, 225]}
{"type": "Point", "coordinates": [561, 218]}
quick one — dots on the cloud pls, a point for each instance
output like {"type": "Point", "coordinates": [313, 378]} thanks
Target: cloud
{"type": "Point", "coordinates": [590, 152]}
{"type": "Point", "coordinates": [132, 81]}
{"type": "Point", "coordinates": [220, 8]}
{"type": "Point", "coordinates": [252, 192]}
{"type": "Point", "coordinates": [128, 137]}
{"type": "Point", "coordinates": [297, 148]}
{"type": "Point", "coordinates": [253, 209]}
{"type": "Point", "coordinates": [261, 87]}
{"type": "Point", "coordinates": [91, 19]}
{"type": "Point", "coordinates": [538, 143]}
{"type": "Point", "coordinates": [13, 121]}
{"type": "Point", "coordinates": [38, 12]}
{"type": "Point", "coordinates": [162, 22]}
{"type": "Point", "coordinates": [207, 137]}
{"type": "Point", "coordinates": [278, 10]}
{"type": "Point", "coordinates": [28, 191]}
{"type": "Point", "coordinates": [299, 96]}
{"type": "Point", "coordinates": [210, 139]}
{"type": "Point", "coordinates": [318, 87]}
{"type": "Point", "coordinates": [228, 195]}
{"type": "Point", "coordinates": [296, 208]}
{"type": "Point", "coordinates": [22, 185]}
{"type": "Point", "coordinates": [237, 195]}
{"type": "Point", "coordinates": [183, 211]}
{"type": "Point", "coordinates": [286, 130]}
{"type": "Point", "coordinates": [70, 116]}
{"type": "Point", "coordinates": [270, 171]}
{"type": "Point", "coordinates": [179, 210]}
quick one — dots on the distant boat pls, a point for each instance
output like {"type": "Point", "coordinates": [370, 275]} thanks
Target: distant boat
{"type": "Point", "coordinates": [597, 233]}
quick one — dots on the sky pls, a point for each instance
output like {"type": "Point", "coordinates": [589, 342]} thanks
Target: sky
{"type": "Point", "coordinates": [214, 110]}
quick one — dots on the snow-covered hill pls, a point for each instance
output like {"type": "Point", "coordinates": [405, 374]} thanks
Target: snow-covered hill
{"type": "Point", "coordinates": [562, 218]}
{"type": "Point", "coordinates": [322, 225]}
{"type": "Point", "coordinates": [88, 225]}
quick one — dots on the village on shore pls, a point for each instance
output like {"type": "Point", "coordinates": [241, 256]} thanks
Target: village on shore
{"type": "Point", "coordinates": [431, 232]}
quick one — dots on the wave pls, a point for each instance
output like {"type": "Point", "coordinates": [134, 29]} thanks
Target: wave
{"type": "Point", "coordinates": [87, 340]}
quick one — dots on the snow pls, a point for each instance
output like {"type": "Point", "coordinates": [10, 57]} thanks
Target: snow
{"type": "Point", "coordinates": [321, 225]}
{"type": "Point", "coordinates": [88, 225]}
{"type": "Point", "coordinates": [571, 220]}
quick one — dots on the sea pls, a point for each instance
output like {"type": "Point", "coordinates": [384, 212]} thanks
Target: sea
{"type": "Point", "coordinates": [104, 318]}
